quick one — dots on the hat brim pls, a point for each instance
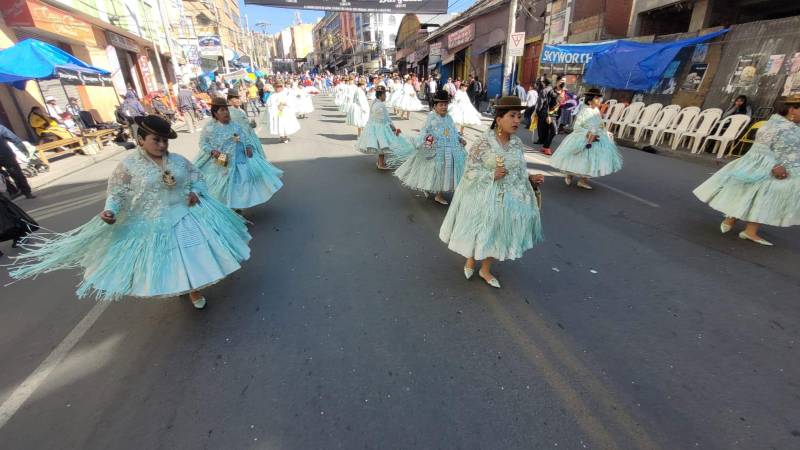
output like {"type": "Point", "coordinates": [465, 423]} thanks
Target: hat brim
{"type": "Point", "coordinates": [140, 122]}
{"type": "Point", "coordinates": [509, 107]}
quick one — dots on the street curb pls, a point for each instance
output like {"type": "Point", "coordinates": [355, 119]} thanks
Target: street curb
{"type": "Point", "coordinates": [86, 161]}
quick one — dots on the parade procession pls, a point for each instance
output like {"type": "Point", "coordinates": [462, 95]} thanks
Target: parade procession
{"type": "Point", "coordinates": [500, 224]}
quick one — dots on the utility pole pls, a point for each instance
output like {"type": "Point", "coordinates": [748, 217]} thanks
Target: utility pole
{"type": "Point", "coordinates": [173, 54]}
{"type": "Point", "coordinates": [509, 60]}
{"type": "Point", "coordinates": [221, 41]}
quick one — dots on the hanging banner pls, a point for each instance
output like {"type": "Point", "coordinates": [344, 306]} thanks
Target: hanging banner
{"type": "Point", "coordinates": [380, 6]}
{"type": "Point", "coordinates": [209, 46]}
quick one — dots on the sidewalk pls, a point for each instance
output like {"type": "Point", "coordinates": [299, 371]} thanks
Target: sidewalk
{"type": "Point", "coordinates": [72, 163]}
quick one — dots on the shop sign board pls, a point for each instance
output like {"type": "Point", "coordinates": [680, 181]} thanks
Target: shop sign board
{"type": "Point", "coordinates": [209, 46]}
{"type": "Point", "coordinates": [360, 6]}
{"type": "Point", "coordinates": [121, 42]}
{"type": "Point", "coordinates": [75, 78]}
{"type": "Point", "coordinates": [516, 46]}
{"type": "Point", "coordinates": [35, 14]}
{"type": "Point", "coordinates": [461, 37]}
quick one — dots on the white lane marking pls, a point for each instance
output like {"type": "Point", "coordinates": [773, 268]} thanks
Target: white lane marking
{"type": "Point", "coordinates": [24, 391]}
{"type": "Point", "coordinates": [627, 194]}
{"type": "Point", "coordinates": [65, 203]}
{"type": "Point", "coordinates": [540, 159]}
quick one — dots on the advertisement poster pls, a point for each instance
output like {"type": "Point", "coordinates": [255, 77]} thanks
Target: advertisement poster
{"type": "Point", "coordinates": [774, 64]}
{"type": "Point", "coordinates": [700, 53]}
{"type": "Point", "coordinates": [668, 84]}
{"type": "Point", "coordinates": [792, 85]}
{"type": "Point", "coordinates": [695, 77]}
{"type": "Point", "coordinates": [745, 73]}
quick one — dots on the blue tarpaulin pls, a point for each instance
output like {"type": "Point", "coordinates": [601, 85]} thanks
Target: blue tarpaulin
{"type": "Point", "coordinates": [622, 64]}
{"type": "Point", "coordinates": [36, 60]}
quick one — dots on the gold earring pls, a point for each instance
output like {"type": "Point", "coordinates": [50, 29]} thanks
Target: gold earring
{"type": "Point", "coordinates": [499, 132]}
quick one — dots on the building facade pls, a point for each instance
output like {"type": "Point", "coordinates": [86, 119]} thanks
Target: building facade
{"type": "Point", "coordinates": [128, 38]}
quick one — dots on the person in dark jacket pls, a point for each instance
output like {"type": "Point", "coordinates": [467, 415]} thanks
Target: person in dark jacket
{"type": "Point", "coordinates": [8, 160]}
{"type": "Point", "coordinates": [546, 115]}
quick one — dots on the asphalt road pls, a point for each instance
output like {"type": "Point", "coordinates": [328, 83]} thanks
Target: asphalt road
{"type": "Point", "coordinates": [636, 325]}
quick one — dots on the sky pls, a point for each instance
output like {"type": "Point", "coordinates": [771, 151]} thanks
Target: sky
{"type": "Point", "coordinates": [280, 18]}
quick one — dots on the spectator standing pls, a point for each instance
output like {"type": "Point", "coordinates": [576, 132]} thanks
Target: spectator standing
{"type": "Point", "coordinates": [252, 97]}
{"type": "Point", "coordinates": [477, 93]}
{"type": "Point", "coordinates": [187, 107]}
{"type": "Point", "coordinates": [8, 160]}
{"type": "Point", "coordinates": [531, 101]}
{"type": "Point", "coordinates": [260, 90]}
{"type": "Point", "coordinates": [546, 116]}
{"type": "Point", "coordinates": [431, 91]}
{"type": "Point", "coordinates": [450, 88]}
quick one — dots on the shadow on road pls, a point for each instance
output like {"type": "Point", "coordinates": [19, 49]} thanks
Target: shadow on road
{"type": "Point", "coordinates": [339, 137]}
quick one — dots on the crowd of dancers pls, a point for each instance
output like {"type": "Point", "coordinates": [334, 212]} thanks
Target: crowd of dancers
{"type": "Point", "coordinates": [172, 227]}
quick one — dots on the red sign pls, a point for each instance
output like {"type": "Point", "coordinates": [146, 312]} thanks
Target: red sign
{"type": "Point", "coordinates": [35, 14]}
{"type": "Point", "coordinates": [461, 37]}
{"type": "Point", "coordinates": [147, 74]}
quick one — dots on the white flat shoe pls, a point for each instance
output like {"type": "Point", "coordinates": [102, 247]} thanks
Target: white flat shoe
{"type": "Point", "coordinates": [568, 180]}
{"type": "Point", "coordinates": [761, 241]}
{"type": "Point", "coordinates": [492, 282]}
{"type": "Point", "coordinates": [469, 272]}
{"type": "Point", "coordinates": [441, 201]}
{"type": "Point", "coordinates": [724, 227]}
{"type": "Point", "coordinates": [200, 303]}
{"type": "Point", "coordinates": [583, 185]}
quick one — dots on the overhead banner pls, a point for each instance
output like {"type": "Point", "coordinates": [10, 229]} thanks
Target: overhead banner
{"type": "Point", "coordinates": [381, 6]}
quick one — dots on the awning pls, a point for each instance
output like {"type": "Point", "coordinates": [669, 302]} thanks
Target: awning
{"type": "Point", "coordinates": [43, 61]}
{"type": "Point", "coordinates": [622, 64]}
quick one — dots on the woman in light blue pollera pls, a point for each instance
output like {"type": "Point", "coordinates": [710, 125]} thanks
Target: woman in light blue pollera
{"type": "Point", "coordinates": [495, 212]}
{"type": "Point", "coordinates": [160, 234]}
{"type": "Point", "coordinates": [236, 173]}
{"type": "Point", "coordinates": [588, 151]}
{"type": "Point", "coordinates": [763, 186]}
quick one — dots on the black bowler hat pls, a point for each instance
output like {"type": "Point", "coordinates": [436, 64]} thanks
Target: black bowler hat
{"type": "Point", "coordinates": [509, 103]}
{"type": "Point", "coordinates": [233, 93]}
{"type": "Point", "coordinates": [219, 101]}
{"type": "Point", "coordinates": [379, 89]}
{"type": "Point", "coordinates": [156, 125]}
{"type": "Point", "coordinates": [441, 96]}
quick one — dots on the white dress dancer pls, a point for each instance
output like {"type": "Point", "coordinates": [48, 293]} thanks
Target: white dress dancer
{"type": "Point", "coordinates": [462, 111]}
{"type": "Point", "coordinates": [396, 96]}
{"type": "Point", "coordinates": [281, 113]}
{"type": "Point", "coordinates": [408, 101]}
{"type": "Point", "coordinates": [303, 101]}
{"type": "Point", "coordinates": [358, 114]}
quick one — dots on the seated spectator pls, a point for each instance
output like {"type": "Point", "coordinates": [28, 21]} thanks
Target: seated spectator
{"type": "Point", "coordinates": [46, 127]}
{"type": "Point", "coordinates": [739, 106]}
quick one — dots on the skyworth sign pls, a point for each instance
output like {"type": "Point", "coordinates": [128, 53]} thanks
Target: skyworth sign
{"type": "Point", "coordinates": [380, 6]}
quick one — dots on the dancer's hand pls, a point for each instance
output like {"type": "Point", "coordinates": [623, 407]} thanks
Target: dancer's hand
{"type": "Point", "coordinates": [108, 217]}
{"type": "Point", "coordinates": [215, 154]}
{"type": "Point", "coordinates": [249, 152]}
{"type": "Point", "coordinates": [779, 172]}
{"type": "Point", "coordinates": [192, 199]}
{"type": "Point", "coordinates": [536, 179]}
{"type": "Point", "coordinates": [499, 173]}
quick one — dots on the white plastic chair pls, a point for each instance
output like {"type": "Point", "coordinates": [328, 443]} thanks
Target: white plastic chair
{"type": "Point", "coordinates": [630, 114]}
{"type": "Point", "coordinates": [700, 130]}
{"type": "Point", "coordinates": [613, 113]}
{"type": "Point", "coordinates": [659, 123]}
{"type": "Point", "coordinates": [722, 139]}
{"type": "Point", "coordinates": [646, 117]}
{"type": "Point", "coordinates": [679, 125]}
{"type": "Point", "coordinates": [674, 107]}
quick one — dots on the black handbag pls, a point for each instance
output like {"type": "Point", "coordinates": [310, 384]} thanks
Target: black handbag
{"type": "Point", "coordinates": [14, 222]}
